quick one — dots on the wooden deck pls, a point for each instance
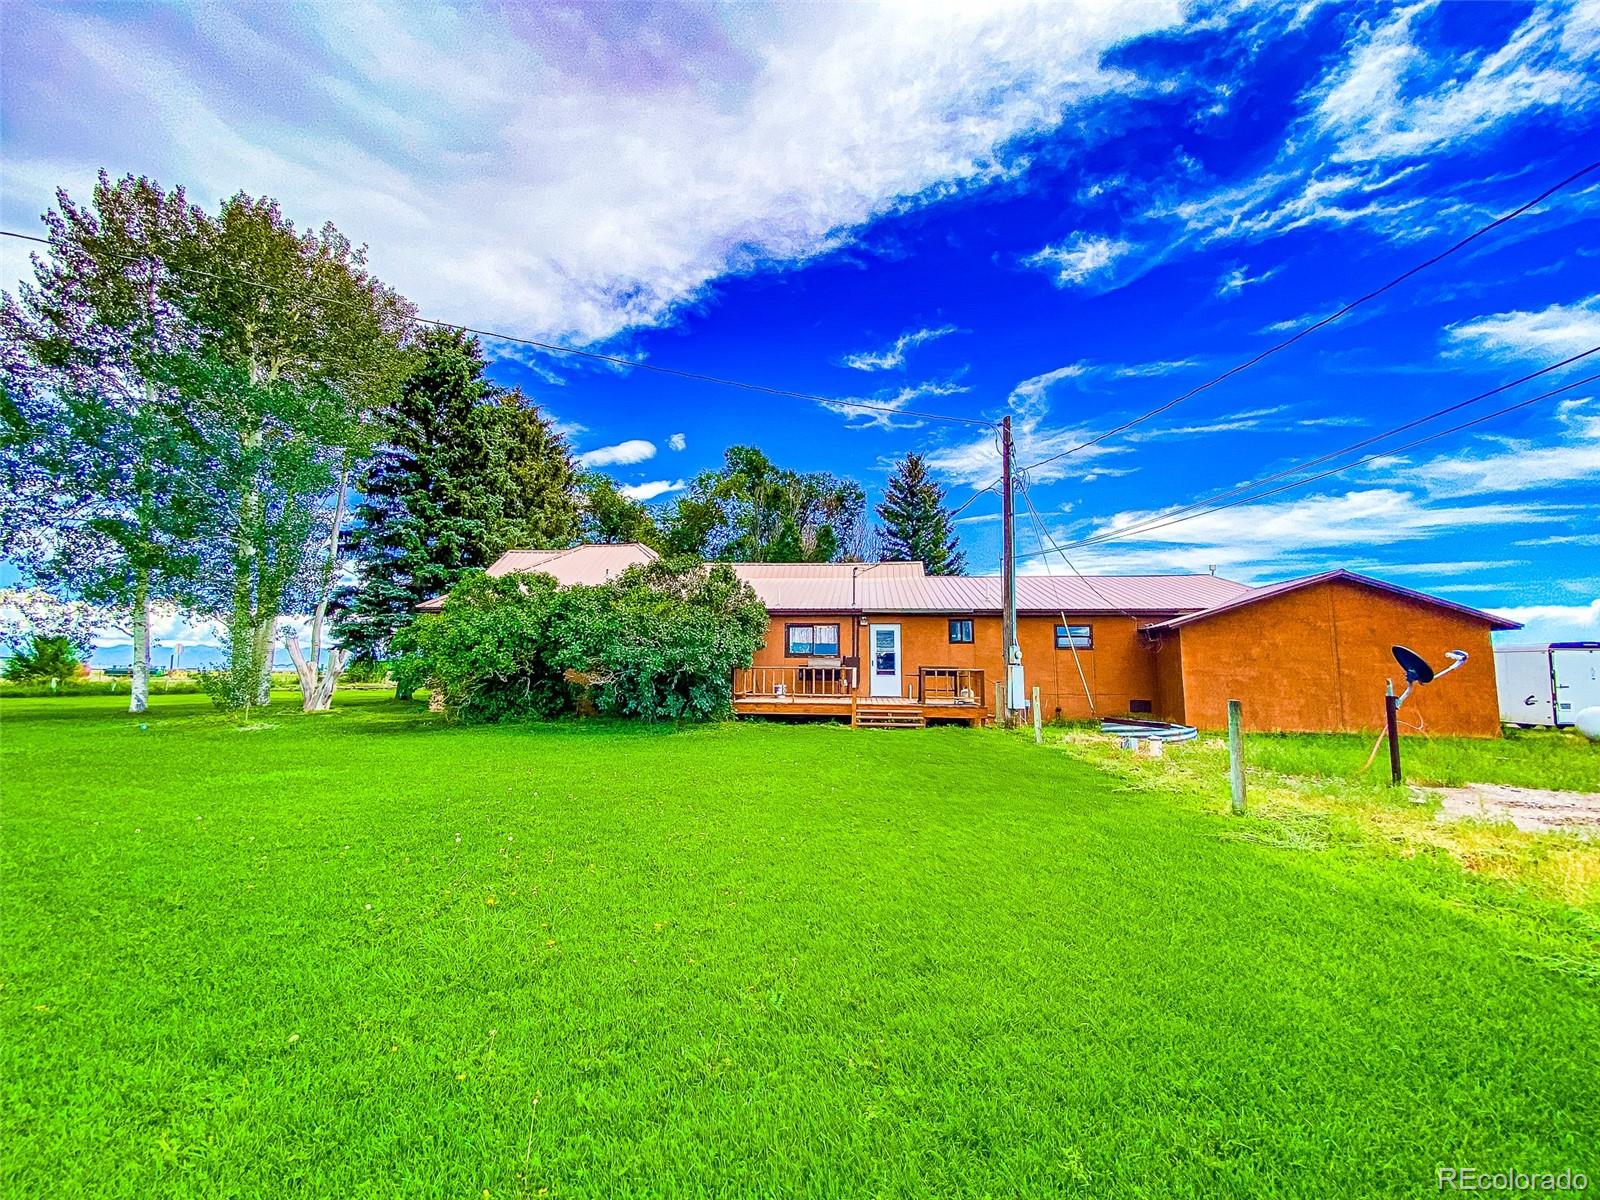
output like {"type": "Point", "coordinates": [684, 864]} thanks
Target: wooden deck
{"type": "Point", "coordinates": [880, 712]}
{"type": "Point", "coordinates": [829, 691]}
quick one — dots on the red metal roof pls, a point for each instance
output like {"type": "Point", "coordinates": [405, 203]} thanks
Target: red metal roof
{"type": "Point", "coordinates": [1252, 595]}
{"type": "Point", "coordinates": [877, 592]}
{"type": "Point", "coordinates": [579, 564]}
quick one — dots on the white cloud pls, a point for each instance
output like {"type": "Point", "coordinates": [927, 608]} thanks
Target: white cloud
{"type": "Point", "coordinates": [1247, 420]}
{"type": "Point", "coordinates": [1518, 464]}
{"type": "Point", "coordinates": [890, 403]}
{"type": "Point", "coordinates": [649, 491]}
{"type": "Point", "coordinates": [1148, 370]}
{"type": "Point", "coordinates": [1236, 280]}
{"type": "Point", "coordinates": [677, 442]}
{"type": "Point", "coordinates": [1551, 334]}
{"type": "Point", "coordinates": [1564, 539]}
{"type": "Point", "coordinates": [1275, 538]}
{"type": "Point", "coordinates": [634, 450]}
{"type": "Point", "coordinates": [544, 169]}
{"type": "Point", "coordinates": [893, 356]}
{"type": "Point", "coordinates": [1389, 105]}
{"type": "Point", "coordinates": [1080, 259]}
{"type": "Point", "coordinates": [977, 461]}
{"type": "Point", "coordinates": [1553, 623]}
{"type": "Point", "coordinates": [1388, 100]}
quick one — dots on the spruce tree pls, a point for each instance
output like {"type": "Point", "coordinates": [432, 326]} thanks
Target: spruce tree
{"type": "Point", "coordinates": [915, 522]}
{"type": "Point", "coordinates": [466, 471]}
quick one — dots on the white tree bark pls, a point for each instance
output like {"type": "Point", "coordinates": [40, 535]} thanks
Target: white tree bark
{"type": "Point", "coordinates": [316, 680]}
{"type": "Point", "coordinates": [316, 687]}
{"type": "Point", "coordinates": [139, 683]}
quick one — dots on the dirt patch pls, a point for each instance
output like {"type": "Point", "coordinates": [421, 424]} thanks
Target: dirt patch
{"type": "Point", "coordinates": [1533, 810]}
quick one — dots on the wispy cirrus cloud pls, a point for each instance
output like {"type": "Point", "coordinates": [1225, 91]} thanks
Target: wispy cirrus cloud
{"type": "Point", "coordinates": [888, 404]}
{"type": "Point", "coordinates": [976, 460]}
{"type": "Point", "coordinates": [1399, 97]}
{"type": "Point", "coordinates": [1393, 99]}
{"type": "Point", "coordinates": [1494, 465]}
{"type": "Point", "coordinates": [893, 356]}
{"type": "Point", "coordinates": [1080, 259]}
{"type": "Point", "coordinates": [1274, 538]}
{"type": "Point", "coordinates": [1238, 278]}
{"type": "Point", "coordinates": [677, 442]}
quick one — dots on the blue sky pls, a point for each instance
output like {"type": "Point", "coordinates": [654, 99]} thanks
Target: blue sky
{"type": "Point", "coordinates": [1071, 214]}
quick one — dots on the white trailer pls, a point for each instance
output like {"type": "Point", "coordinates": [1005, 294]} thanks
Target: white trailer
{"type": "Point", "coordinates": [1547, 685]}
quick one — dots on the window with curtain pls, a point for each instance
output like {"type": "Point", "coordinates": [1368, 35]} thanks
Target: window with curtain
{"type": "Point", "coordinates": [812, 641]}
{"type": "Point", "coordinates": [1074, 637]}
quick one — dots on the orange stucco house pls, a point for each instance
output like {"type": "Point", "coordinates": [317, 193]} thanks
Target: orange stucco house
{"type": "Point", "coordinates": [888, 644]}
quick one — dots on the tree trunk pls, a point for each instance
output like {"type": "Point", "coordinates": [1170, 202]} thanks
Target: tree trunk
{"type": "Point", "coordinates": [316, 688]}
{"type": "Point", "coordinates": [139, 680]}
{"type": "Point", "coordinates": [316, 682]}
{"type": "Point", "coordinates": [263, 655]}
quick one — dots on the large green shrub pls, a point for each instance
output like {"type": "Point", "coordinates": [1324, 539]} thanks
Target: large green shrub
{"type": "Point", "coordinates": [660, 642]}
{"type": "Point", "coordinates": [492, 649]}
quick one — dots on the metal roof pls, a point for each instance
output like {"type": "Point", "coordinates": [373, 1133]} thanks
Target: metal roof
{"type": "Point", "coordinates": [580, 564]}
{"type": "Point", "coordinates": [895, 587]}
{"type": "Point", "coordinates": [827, 570]}
{"type": "Point", "coordinates": [1252, 595]}
{"type": "Point", "coordinates": [1161, 595]}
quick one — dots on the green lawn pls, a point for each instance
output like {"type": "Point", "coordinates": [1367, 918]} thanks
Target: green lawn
{"type": "Point", "coordinates": [368, 954]}
{"type": "Point", "coordinates": [1543, 758]}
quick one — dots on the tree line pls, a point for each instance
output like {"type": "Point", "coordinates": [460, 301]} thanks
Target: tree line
{"type": "Point", "coordinates": [230, 415]}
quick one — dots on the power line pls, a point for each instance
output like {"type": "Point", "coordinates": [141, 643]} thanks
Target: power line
{"type": "Point", "coordinates": [1328, 320]}
{"type": "Point", "coordinates": [1306, 464]}
{"type": "Point", "coordinates": [1044, 536]}
{"type": "Point", "coordinates": [615, 360]}
{"type": "Point", "coordinates": [1294, 483]}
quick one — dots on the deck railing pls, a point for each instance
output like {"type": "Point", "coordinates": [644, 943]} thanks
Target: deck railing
{"type": "Point", "coordinates": [946, 685]}
{"type": "Point", "coordinates": [806, 682]}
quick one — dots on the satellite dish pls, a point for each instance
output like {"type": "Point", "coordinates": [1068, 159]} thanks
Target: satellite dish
{"type": "Point", "coordinates": [1414, 665]}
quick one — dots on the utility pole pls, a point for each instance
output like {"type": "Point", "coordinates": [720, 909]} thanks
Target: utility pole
{"type": "Point", "coordinates": [1011, 654]}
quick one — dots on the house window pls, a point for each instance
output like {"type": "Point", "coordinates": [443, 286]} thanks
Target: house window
{"type": "Point", "coordinates": [1074, 637]}
{"type": "Point", "coordinates": [960, 632]}
{"type": "Point", "coordinates": [812, 641]}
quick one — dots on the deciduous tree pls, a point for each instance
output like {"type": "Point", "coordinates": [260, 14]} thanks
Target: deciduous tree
{"type": "Point", "coordinates": [753, 510]}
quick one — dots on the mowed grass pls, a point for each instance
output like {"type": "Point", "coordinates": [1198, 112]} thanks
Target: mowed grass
{"type": "Point", "coordinates": [370, 954]}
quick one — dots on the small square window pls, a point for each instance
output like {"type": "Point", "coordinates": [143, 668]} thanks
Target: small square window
{"type": "Point", "coordinates": [1074, 637]}
{"type": "Point", "coordinates": [960, 632]}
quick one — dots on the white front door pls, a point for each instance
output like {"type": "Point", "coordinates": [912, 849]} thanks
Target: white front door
{"type": "Point", "coordinates": [884, 660]}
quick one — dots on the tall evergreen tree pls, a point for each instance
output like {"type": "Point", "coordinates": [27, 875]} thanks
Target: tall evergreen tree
{"type": "Point", "coordinates": [466, 470]}
{"type": "Point", "coordinates": [915, 522]}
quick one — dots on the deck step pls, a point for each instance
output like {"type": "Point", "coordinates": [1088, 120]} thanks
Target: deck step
{"type": "Point", "coordinates": [886, 717]}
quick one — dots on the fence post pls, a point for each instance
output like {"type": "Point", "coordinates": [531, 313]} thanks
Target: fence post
{"type": "Point", "coordinates": [1236, 755]}
{"type": "Point", "coordinates": [1038, 720]}
{"type": "Point", "coordinates": [1391, 722]}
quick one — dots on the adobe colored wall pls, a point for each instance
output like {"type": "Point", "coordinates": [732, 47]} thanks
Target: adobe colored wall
{"type": "Point", "coordinates": [1316, 660]}
{"type": "Point", "coordinates": [1118, 668]}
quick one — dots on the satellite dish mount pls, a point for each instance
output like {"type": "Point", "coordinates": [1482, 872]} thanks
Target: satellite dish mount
{"type": "Point", "coordinates": [1416, 671]}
